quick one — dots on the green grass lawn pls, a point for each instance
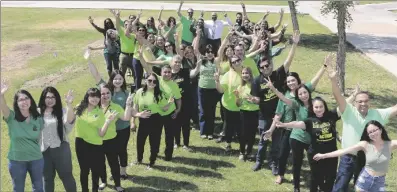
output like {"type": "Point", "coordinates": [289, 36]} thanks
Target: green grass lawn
{"type": "Point", "coordinates": [394, 11]}
{"type": "Point", "coordinates": [67, 32]}
{"type": "Point", "coordinates": [373, 2]}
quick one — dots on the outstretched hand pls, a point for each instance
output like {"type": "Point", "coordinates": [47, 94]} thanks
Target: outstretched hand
{"type": "Point", "coordinates": [3, 87]}
{"type": "Point", "coordinates": [69, 97]}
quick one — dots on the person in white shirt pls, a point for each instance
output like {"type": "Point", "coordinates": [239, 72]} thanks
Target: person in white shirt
{"type": "Point", "coordinates": [214, 29]}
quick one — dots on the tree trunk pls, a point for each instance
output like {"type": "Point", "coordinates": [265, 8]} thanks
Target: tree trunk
{"type": "Point", "coordinates": [294, 18]}
{"type": "Point", "coordinates": [341, 56]}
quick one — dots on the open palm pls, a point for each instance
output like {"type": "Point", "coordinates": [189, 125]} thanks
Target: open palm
{"type": "Point", "coordinates": [4, 87]}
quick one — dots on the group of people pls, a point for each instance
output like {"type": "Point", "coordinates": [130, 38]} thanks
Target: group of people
{"type": "Point", "coordinates": [183, 80]}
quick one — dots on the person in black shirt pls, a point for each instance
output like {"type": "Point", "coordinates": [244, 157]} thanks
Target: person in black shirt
{"type": "Point", "coordinates": [267, 101]}
{"type": "Point", "coordinates": [321, 125]}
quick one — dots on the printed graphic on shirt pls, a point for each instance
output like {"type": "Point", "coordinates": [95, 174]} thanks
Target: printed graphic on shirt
{"type": "Point", "coordinates": [323, 131]}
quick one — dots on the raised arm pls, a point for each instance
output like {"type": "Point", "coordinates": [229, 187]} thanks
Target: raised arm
{"type": "Point", "coordinates": [358, 147]}
{"type": "Point", "coordinates": [350, 99]}
{"type": "Point", "coordinates": [222, 48]}
{"type": "Point", "coordinates": [196, 70]}
{"type": "Point", "coordinates": [228, 21]}
{"type": "Point", "coordinates": [70, 116]}
{"type": "Point", "coordinates": [288, 61]}
{"type": "Point", "coordinates": [128, 109]}
{"type": "Point", "coordinates": [218, 84]}
{"type": "Point", "coordinates": [108, 121]}
{"type": "Point", "coordinates": [252, 53]}
{"type": "Point", "coordinates": [179, 10]}
{"type": "Point", "coordinates": [240, 34]}
{"type": "Point", "coordinates": [196, 44]}
{"type": "Point", "coordinates": [144, 64]}
{"type": "Point", "coordinates": [340, 100]}
{"type": "Point", "coordinates": [168, 33]}
{"type": "Point", "coordinates": [3, 105]}
{"type": "Point", "coordinates": [94, 71]}
{"type": "Point", "coordinates": [393, 112]}
{"type": "Point", "coordinates": [245, 16]}
{"type": "Point", "coordinates": [280, 95]}
{"type": "Point", "coordinates": [159, 17]}
{"type": "Point", "coordinates": [320, 73]}
{"type": "Point", "coordinates": [177, 45]}
{"type": "Point", "coordinates": [99, 29]}
{"type": "Point", "coordinates": [263, 18]}
{"type": "Point", "coordinates": [116, 14]}
{"type": "Point", "coordinates": [279, 20]}
{"type": "Point", "coordinates": [136, 21]}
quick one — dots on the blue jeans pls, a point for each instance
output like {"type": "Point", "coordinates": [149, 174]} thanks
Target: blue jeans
{"type": "Point", "coordinates": [263, 125]}
{"type": "Point", "coordinates": [112, 61]}
{"type": "Point", "coordinates": [138, 72]}
{"type": "Point", "coordinates": [195, 111]}
{"type": "Point", "coordinates": [367, 182]}
{"type": "Point", "coordinates": [348, 166]}
{"type": "Point", "coordinates": [18, 170]}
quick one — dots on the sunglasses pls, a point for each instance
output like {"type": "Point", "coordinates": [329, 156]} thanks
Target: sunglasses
{"type": "Point", "coordinates": [209, 52]}
{"type": "Point", "coordinates": [152, 81]}
{"type": "Point", "coordinates": [266, 66]}
{"type": "Point", "coordinates": [167, 45]}
{"type": "Point", "coordinates": [143, 30]}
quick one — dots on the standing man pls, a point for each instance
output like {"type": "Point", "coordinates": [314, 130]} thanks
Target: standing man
{"type": "Point", "coordinates": [354, 117]}
{"type": "Point", "coordinates": [214, 29]}
{"type": "Point", "coordinates": [187, 35]}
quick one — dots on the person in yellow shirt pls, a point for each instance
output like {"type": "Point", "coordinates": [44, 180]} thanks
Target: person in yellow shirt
{"type": "Point", "coordinates": [91, 125]}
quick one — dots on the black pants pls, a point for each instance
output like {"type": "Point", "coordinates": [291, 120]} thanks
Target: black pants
{"type": "Point", "coordinates": [183, 120]}
{"type": "Point", "coordinates": [208, 98]}
{"type": "Point", "coordinates": [297, 158]}
{"type": "Point", "coordinates": [285, 149]}
{"type": "Point", "coordinates": [322, 173]}
{"type": "Point", "coordinates": [109, 147]}
{"type": "Point", "coordinates": [249, 124]}
{"type": "Point", "coordinates": [216, 43]}
{"type": "Point", "coordinates": [149, 127]}
{"type": "Point", "coordinates": [90, 158]}
{"type": "Point", "coordinates": [169, 129]}
{"type": "Point", "coordinates": [232, 124]}
{"type": "Point", "coordinates": [123, 136]}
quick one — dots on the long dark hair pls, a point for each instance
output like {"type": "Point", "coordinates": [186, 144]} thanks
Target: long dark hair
{"type": "Point", "coordinates": [365, 136]}
{"type": "Point", "coordinates": [251, 76]}
{"type": "Point", "coordinates": [326, 109]}
{"type": "Point", "coordinates": [111, 25]}
{"type": "Point", "coordinates": [112, 76]}
{"type": "Point", "coordinates": [32, 109]}
{"type": "Point", "coordinates": [169, 21]}
{"type": "Point", "coordinates": [225, 58]}
{"type": "Point", "coordinates": [297, 96]}
{"type": "Point", "coordinates": [91, 92]}
{"type": "Point", "coordinates": [156, 92]}
{"type": "Point", "coordinates": [292, 74]}
{"type": "Point", "coordinates": [56, 109]}
{"type": "Point", "coordinates": [205, 60]}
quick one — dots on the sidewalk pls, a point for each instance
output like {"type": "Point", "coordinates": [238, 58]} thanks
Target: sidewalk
{"type": "Point", "coordinates": [373, 31]}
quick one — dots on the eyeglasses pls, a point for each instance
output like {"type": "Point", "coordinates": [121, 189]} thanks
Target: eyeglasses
{"type": "Point", "coordinates": [266, 66]}
{"type": "Point", "coordinates": [167, 45]}
{"type": "Point", "coordinates": [209, 51]}
{"type": "Point", "coordinates": [143, 30]}
{"type": "Point", "coordinates": [372, 132]}
{"type": "Point", "coordinates": [238, 61]}
{"type": "Point", "coordinates": [257, 29]}
{"type": "Point", "coordinates": [152, 81]}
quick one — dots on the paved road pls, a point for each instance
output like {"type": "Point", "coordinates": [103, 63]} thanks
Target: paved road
{"type": "Point", "coordinates": [373, 31]}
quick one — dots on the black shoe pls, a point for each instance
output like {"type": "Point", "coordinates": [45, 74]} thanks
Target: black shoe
{"type": "Point", "coordinates": [274, 170]}
{"type": "Point", "coordinates": [219, 140]}
{"type": "Point", "coordinates": [167, 158]}
{"type": "Point", "coordinates": [123, 177]}
{"type": "Point", "coordinates": [297, 190]}
{"type": "Point", "coordinates": [256, 167]}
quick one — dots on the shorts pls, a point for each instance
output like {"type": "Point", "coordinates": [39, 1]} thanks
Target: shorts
{"type": "Point", "coordinates": [367, 182]}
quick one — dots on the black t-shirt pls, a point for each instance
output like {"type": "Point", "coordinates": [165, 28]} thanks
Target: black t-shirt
{"type": "Point", "coordinates": [271, 29]}
{"type": "Point", "coordinates": [187, 64]}
{"type": "Point", "coordinates": [268, 99]}
{"type": "Point", "coordinates": [183, 81]}
{"type": "Point", "coordinates": [323, 132]}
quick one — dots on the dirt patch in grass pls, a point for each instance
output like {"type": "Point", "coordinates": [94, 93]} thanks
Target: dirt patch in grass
{"type": "Point", "coordinates": [20, 54]}
{"type": "Point", "coordinates": [72, 24]}
{"type": "Point", "coordinates": [53, 79]}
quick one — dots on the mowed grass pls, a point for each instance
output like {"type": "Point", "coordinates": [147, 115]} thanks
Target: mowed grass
{"type": "Point", "coordinates": [67, 32]}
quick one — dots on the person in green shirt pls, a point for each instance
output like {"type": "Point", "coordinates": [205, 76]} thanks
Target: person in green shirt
{"type": "Point", "coordinates": [249, 110]}
{"type": "Point", "coordinates": [187, 35]}
{"type": "Point", "coordinates": [168, 29]}
{"type": "Point", "coordinates": [299, 139]}
{"type": "Point", "coordinates": [227, 85]}
{"type": "Point", "coordinates": [90, 128]}
{"type": "Point", "coordinates": [151, 26]}
{"type": "Point", "coordinates": [24, 127]}
{"type": "Point", "coordinates": [165, 58]}
{"type": "Point", "coordinates": [149, 99]}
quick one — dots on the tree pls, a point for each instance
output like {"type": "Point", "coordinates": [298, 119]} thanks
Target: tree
{"type": "Point", "coordinates": [340, 9]}
{"type": "Point", "coordinates": [294, 18]}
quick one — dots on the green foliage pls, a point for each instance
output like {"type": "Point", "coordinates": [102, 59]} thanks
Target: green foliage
{"type": "Point", "coordinates": [335, 6]}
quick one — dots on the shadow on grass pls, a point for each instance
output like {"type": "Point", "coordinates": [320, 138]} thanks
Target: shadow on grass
{"type": "Point", "coordinates": [206, 163]}
{"type": "Point", "coordinates": [134, 189]}
{"type": "Point", "coordinates": [323, 42]}
{"type": "Point", "coordinates": [216, 151]}
{"type": "Point", "coordinates": [190, 172]}
{"type": "Point", "coordinates": [162, 184]}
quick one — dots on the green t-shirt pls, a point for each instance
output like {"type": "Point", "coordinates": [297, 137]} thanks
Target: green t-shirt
{"type": "Point", "coordinates": [286, 112]}
{"type": "Point", "coordinates": [187, 35]}
{"type": "Point", "coordinates": [170, 89]}
{"type": "Point", "coordinates": [157, 52]}
{"type": "Point", "coordinates": [206, 78]}
{"type": "Point", "coordinates": [119, 98]}
{"type": "Point", "coordinates": [354, 122]}
{"type": "Point", "coordinates": [111, 132]}
{"type": "Point", "coordinates": [301, 113]}
{"type": "Point", "coordinates": [166, 58]}
{"type": "Point", "coordinates": [24, 138]}
{"type": "Point", "coordinates": [248, 62]}
{"type": "Point", "coordinates": [88, 125]}
{"type": "Point", "coordinates": [170, 37]}
{"type": "Point", "coordinates": [244, 92]}
{"type": "Point", "coordinates": [225, 66]}
{"type": "Point", "coordinates": [146, 101]}
{"type": "Point", "coordinates": [230, 82]}
{"type": "Point", "coordinates": [127, 43]}
{"type": "Point", "coordinates": [137, 46]}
